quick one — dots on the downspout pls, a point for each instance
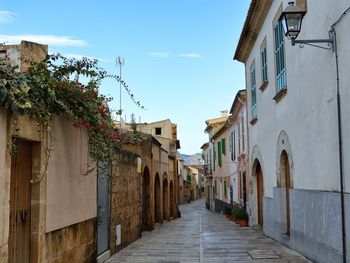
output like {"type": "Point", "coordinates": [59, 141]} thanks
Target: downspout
{"type": "Point", "coordinates": [340, 135]}
{"type": "Point", "coordinates": [340, 139]}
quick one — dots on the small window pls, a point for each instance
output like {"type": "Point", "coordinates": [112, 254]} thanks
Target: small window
{"type": "Point", "coordinates": [223, 146]}
{"type": "Point", "coordinates": [239, 139]}
{"type": "Point", "coordinates": [279, 58]}
{"type": "Point", "coordinates": [158, 131]}
{"type": "Point", "coordinates": [225, 190]}
{"type": "Point", "coordinates": [264, 63]}
{"type": "Point", "coordinates": [219, 154]}
{"type": "Point", "coordinates": [253, 91]}
{"type": "Point", "coordinates": [242, 120]}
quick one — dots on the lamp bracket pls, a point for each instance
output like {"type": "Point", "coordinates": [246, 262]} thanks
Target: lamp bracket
{"type": "Point", "coordinates": [311, 42]}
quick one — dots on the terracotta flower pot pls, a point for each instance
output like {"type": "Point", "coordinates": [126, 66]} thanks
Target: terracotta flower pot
{"type": "Point", "coordinates": [233, 218]}
{"type": "Point", "coordinates": [243, 223]}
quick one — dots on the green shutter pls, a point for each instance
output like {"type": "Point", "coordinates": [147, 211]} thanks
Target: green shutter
{"type": "Point", "coordinates": [219, 154]}
{"type": "Point", "coordinates": [223, 146]}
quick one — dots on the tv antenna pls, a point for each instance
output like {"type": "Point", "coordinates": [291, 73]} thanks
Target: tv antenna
{"type": "Point", "coordinates": [120, 61]}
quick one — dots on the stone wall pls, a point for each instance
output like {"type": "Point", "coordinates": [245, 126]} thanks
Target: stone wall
{"type": "Point", "coordinates": [73, 244]}
{"type": "Point", "coordinates": [126, 207]}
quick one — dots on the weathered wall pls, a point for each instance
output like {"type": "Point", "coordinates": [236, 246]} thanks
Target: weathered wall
{"type": "Point", "coordinates": [126, 207]}
{"type": "Point", "coordinates": [71, 193]}
{"type": "Point", "coordinates": [4, 188]}
{"type": "Point", "coordinates": [74, 244]}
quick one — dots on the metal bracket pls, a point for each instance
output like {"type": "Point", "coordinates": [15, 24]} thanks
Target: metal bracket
{"type": "Point", "coordinates": [312, 42]}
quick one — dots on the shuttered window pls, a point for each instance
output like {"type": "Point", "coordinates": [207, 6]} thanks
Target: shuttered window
{"type": "Point", "coordinates": [253, 91]}
{"type": "Point", "coordinates": [223, 146]}
{"type": "Point", "coordinates": [281, 82]}
{"type": "Point", "coordinates": [264, 64]}
{"type": "Point", "coordinates": [219, 154]}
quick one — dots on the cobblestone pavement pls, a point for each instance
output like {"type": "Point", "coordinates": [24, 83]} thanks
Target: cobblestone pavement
{"type": "Point", "coordinates": [203, 236]}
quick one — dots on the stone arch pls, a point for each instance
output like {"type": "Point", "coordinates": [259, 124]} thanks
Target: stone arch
{"type": "Point", "coordinates": [257, 188]}
{"type": "Point", "coordinates": [146, 199]}
{"type": "Point", "coordinates": [157, 199]}
{"type": "Point", "coordinates": [172, 207]}
{"type": "Point", "coordinates": [283, 145]}
{"type": "Point", "coordinates": [165, 199]}
{"type": "Point", "coordinates": [284, 171]}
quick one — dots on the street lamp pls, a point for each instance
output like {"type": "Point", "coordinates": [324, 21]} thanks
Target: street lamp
{"type": "Point", "coordinates": [292, 18]}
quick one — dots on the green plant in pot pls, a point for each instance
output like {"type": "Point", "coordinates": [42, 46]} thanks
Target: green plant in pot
{"type": "Point", "coordinates": [242, 216]}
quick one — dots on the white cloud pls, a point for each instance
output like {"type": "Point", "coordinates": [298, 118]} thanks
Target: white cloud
{"type": "Point", "coordinates": [159, 54]}
{"type": "Point", "coordinates": [191, 55]}
{"type": "Point", "coordinates": [7, 17]}
{"type": "Point", "coordinates": [51, 40]}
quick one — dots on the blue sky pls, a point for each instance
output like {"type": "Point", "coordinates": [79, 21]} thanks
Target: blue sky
{"type": "Point", "coordinates": [178, 53]}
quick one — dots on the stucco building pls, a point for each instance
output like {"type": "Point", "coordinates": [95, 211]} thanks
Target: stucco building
{"type": "Point", "coordinates": [212, 126]}
{"type": "Point", "coordinates": [294, 147]}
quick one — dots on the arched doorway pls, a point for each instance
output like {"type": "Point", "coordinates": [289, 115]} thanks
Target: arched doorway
{"type": "Point", "coordinates": [165, 200]}
{"type": "Point", "coordinates": [259, 192]}
{"type": "Point", "coordinates": [285, 181]}
{"type": "Point", "coordinates": [146, 196]}
{"type": "Point", "coordinates": [172, 212]}
{"type": "Point", "coordinates": [157, 213]}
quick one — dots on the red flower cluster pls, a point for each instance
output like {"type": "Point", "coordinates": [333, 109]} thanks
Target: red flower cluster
{"type": "Point", "coordinates": [102, 110]}
{"type": "Point", "coordinates": [85, 124]}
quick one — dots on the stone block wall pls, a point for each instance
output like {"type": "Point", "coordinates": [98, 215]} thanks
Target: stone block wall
{"type": "Point", "coordinates": [74, 244]}
{"type": "Point", "coordinates": [126, 207]}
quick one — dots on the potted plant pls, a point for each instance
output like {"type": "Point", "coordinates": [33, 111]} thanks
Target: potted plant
{"type": "Point", "coordinates": [235, 212]}
{"type": "Point", "coordinates": [227, 210]}
{"type": "Point", "coordinates": [242, 216]}
{"type": "Point", "coordinates": [232, 215]}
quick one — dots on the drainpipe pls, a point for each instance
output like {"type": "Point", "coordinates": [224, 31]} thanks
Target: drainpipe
{"type": "Point", "coordinates": [341, 155]}
{"type": "Point", "coordinates": [340, 135]}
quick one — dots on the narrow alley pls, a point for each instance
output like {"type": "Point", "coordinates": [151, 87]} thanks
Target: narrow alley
{"type": "Point", "coordinates": [203, 236]}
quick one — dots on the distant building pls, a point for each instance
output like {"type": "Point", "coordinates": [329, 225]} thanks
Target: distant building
{"type": "Point", "coordinates": [213, 125]}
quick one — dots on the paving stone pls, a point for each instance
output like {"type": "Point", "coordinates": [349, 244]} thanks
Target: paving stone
{"type": "Point", "coordinates": [203, 236]}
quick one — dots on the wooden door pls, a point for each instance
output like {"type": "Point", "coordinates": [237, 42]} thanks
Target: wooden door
{"type": "Point", "coordinates": [260, 193]}
{"type": "Point", "coordinates": [20, 203]}
{"type": "Point", "coordinates": [244, 190]}
{"type": "Point", "coordinates": [288, 186]}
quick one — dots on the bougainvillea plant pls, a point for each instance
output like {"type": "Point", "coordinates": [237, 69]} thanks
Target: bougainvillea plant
{"type": "Point", "coordinates": [69, 88]}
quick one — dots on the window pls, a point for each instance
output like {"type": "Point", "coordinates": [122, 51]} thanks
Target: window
{"type": "Point", "coordinates": [232, 146]}
{"type": "Point", "coordinates": [219, 154]}
{"type": "Point", "coordinates": [253, 90]}
{"type": "Point", "coordinates": [223, 146]}
{"type": "Point", "coordinates": [242, 120]}
{"type": "Point", "coordinates": [264, 63]}
{"type": "Point", "coordinates": [158, 131]}
{"type": "Point", "coordinates": [225, 190]}
{"type": "Point", "coordinates": [279, 57]}
{"type": "Point", "coordinates": [214, 157]}
{"type": "Point", "coordinates": [210, 160]}
{"type": "Point", "coordinates": [189, 178]}
{"type": "Point", "coordinates": [239, 138]}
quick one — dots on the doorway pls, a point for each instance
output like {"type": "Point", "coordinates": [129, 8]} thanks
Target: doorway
{"type": "Point", "coordinates": [286, 184]}
{"type": "Point", "coordinates": [20, 203]}
{"type": "Point", "coordinates": [260, 193]}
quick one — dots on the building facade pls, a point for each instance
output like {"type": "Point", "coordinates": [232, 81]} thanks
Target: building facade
{"type": "Point", "coordinates": [294, 144]}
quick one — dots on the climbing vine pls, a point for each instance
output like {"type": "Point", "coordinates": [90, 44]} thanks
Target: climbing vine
{"type": "Point", "coordinates": [66, 87]}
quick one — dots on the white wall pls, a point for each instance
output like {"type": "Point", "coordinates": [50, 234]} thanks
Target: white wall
{"type": "Point", "coordinates": [308, 112]}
